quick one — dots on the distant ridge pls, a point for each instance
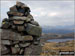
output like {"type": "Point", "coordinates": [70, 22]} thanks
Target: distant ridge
{"type": "Point", "coordinates": [58, 29]}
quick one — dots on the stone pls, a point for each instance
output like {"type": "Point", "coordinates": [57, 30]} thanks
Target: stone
{"type": "Point", "coordinates": [18, 22]}
{"type": "Point", "coordinates": [11, 14]}
{"type": "Point", "coordinates": [15, 42]}
{"type": "Point", "coordinates": [30, 16]}
{"type": "Point", "coordinates": [19, 18]}
{"type": "Point", "coordinates": [33, 50]}
{"type": "Point", "coordinates": [36, 42]}
{"type": "Point", "coordinates": [13, 8]}
{"type": "Point", "coordinates": [14, 27]}
{"type": "Point", "coordinates": [24, 44]}
{"type": "Point", "coordinates": [16, 45]}
{"type": "Point", "coordinates": [5, 24]}
{"type": "Point", "coordinates": [15, 50]}
{"type": "Point", "coordinates": [34, 23]}
{"type": "Point", "coordinates": [4, 50]}
{"type": "Point", "coordinates": [19, 3]}
{"type": "Point", "coordinates": [20, 28]}
{"type": "Point", "coordinates": [33, 30]}
{"type": "Point", "coordinates": [26, 38]}
{"type": "Point", "coordinates": [5, 34]}
{"type": "Point", "coordinates": [6, 42]}
{"type": "Point", "coordinates": [21, 51]}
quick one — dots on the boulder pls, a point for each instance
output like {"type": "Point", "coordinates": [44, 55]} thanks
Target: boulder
{"type": "Point", "coordinates": [33, 30]}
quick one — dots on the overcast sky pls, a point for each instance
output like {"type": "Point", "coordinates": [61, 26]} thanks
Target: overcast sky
{"type": "Point", "coordinates": [47, 13]}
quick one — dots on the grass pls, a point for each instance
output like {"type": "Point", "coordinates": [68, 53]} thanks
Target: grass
{"type": "Point", "coordinates": [53, 48]}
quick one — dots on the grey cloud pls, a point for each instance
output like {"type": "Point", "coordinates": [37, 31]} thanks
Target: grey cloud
{"type": "Point", "coordinates": [65, 9]}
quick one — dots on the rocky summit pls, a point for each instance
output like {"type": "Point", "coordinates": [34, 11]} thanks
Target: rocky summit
{"type": "Point", "coordinates": [20, 33]}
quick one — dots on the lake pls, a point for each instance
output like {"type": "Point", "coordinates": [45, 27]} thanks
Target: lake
{"type": "Point", "coordinates": [59, 40]}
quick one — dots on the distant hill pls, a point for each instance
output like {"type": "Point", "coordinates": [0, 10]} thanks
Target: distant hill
{"type": "Point", "coordinates": [48, 36]}
{"type": "Point", "coordinates": [69, 34]}
{"type": "Point", "coordinates": [58, 29]}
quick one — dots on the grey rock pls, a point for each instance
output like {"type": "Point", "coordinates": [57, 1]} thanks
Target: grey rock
{"type": "Point", "coordinates": [13, 27]}
{"type": "Point", "coordinates": [33, 30]}
{"type": "Point", "coordinates": [11, 14]}
{"type": "Point", "coordinates": [34, 23]}
{"type": "Point", "coordinates": [16, 45]}
{"type": "Point", "coordinates": [18, 22]}
{"type": "Point", "coordinates": [15, 50]}
{"type": "Point", "coordinates": [15, 42]}
{"type": "Point", "coordinates": [20, 28]}
{"type": "Point", "coordinates": [4, 50]}
{"type": "Point", "coordinates": [21, 51]}
{"type": "Point", "coordinates": [6, 42]}
{"type": "Point", "coordinates": [33, 50]}
{"type": "Point", "coordinates": [13, 8]}
{"type": "Point", "coordinates": [24, 44]}
{"type": "Point", "coordinates": [5, 34]}
{"type": "Point", "coordinates": [5, 24]}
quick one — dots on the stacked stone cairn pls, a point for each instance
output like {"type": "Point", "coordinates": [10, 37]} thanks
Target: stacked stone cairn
{"type": "Point", "coordinates": [19, 30]}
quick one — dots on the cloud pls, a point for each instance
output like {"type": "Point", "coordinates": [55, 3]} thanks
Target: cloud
{"type": "Point", "coordinates": [49, 13]}
{"type": "Point", "coordinates": [52, 14]}
{"type": "Point", "coordinates": [39, 12]}
{"type": "Point", "coordinates": [38, 9]}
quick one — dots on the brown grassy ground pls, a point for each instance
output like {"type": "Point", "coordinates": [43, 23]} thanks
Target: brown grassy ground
{"type": "Point", "coordinates": [53, 48]}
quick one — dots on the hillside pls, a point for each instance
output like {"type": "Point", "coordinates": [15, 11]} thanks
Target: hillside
{"type": "Point", "coordinates": [48, 36]}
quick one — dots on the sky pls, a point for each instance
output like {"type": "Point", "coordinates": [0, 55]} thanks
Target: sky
{"type": "Point", "coordinates": [46, 13]}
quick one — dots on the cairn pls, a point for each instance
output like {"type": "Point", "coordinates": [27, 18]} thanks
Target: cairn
{"type": "Point", "coordinates": [19, 31]}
